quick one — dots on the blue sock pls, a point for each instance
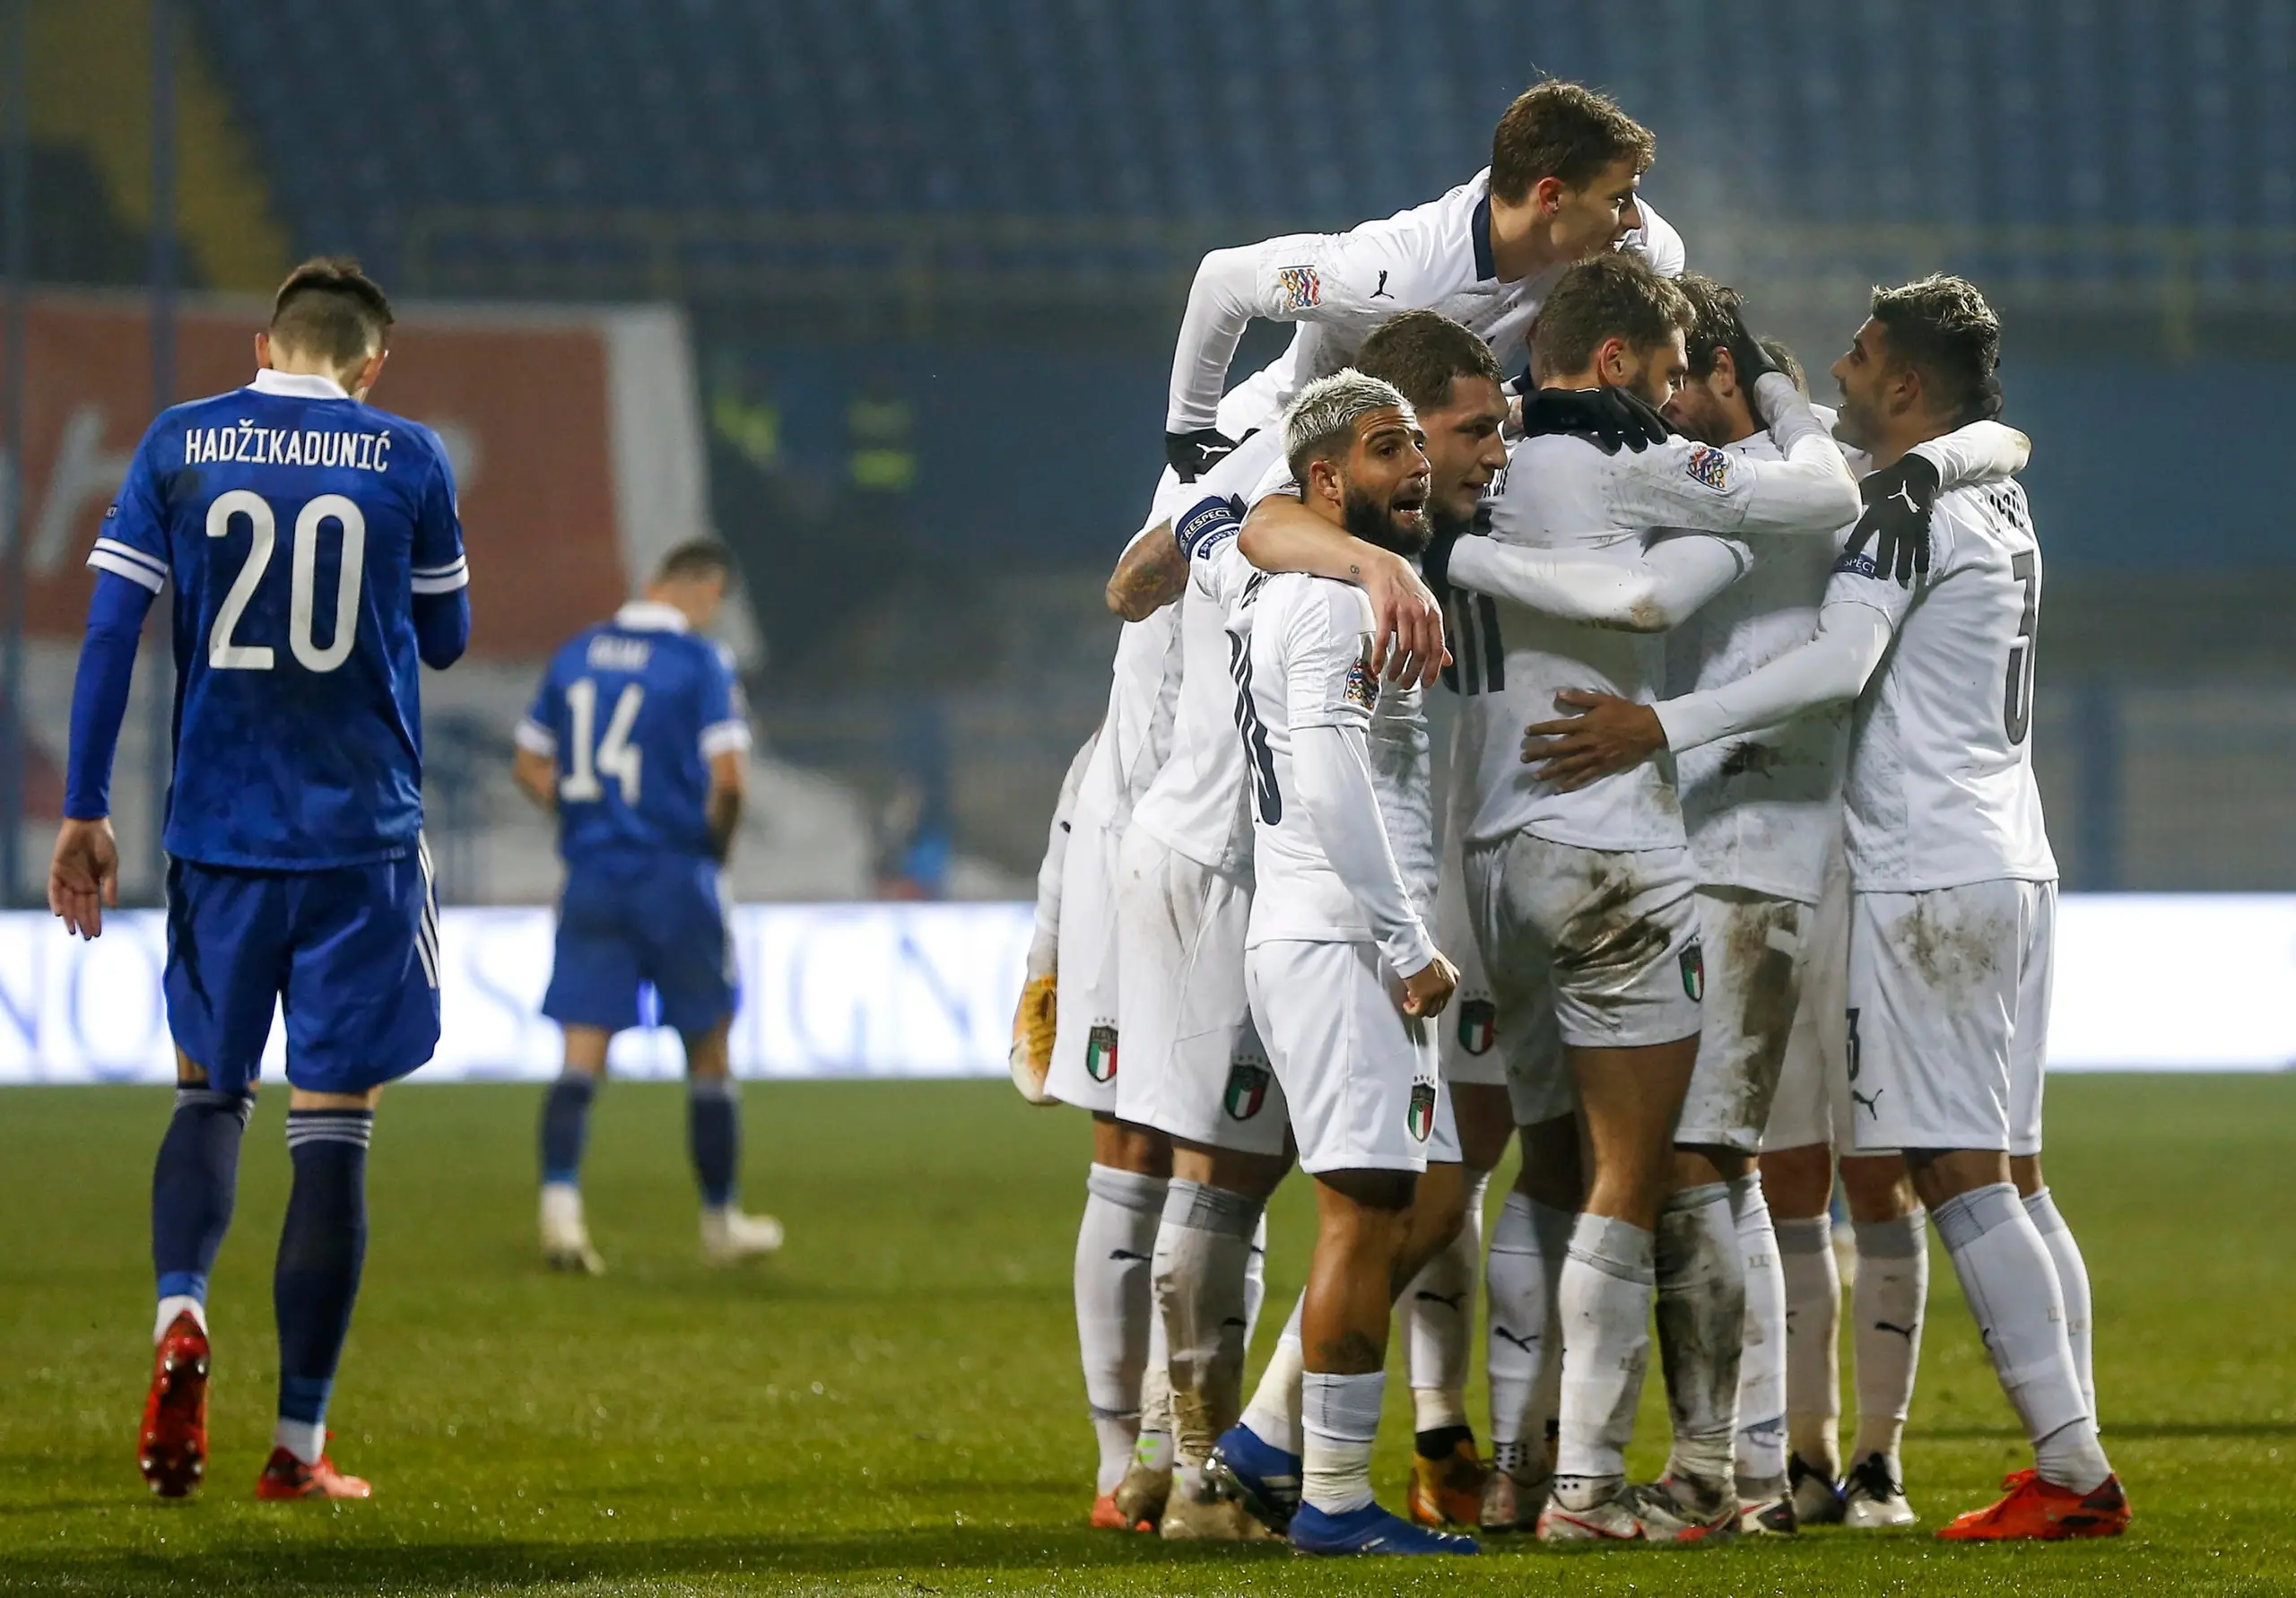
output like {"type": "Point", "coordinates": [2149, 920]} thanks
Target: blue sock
{"type": "Point", "coordinates": [566, 1126]}
{"type": "Point", "coordinates": [714, 1132]}
{"type": "Point", "coordinates": [193, 1183]}
{"type": "Point", "coordinates": [320, 1251]}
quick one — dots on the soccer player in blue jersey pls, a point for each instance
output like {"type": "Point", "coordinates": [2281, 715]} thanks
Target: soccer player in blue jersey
{"type": "Point", "coordinates": [639, 741]}
{"type": "Point", "coordinates": [316, 556]}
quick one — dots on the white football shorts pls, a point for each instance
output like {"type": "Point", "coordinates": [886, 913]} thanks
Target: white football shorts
{"type": "Point", "coordinates": [1467, 1034]}
{"type": "Point", "coordinates": [1948, 1016]}
{"type": "Point", "coordinates": [1360, 1076]}
{"type": "Point", "coordinates": [1754, 948]}
{"type": "Point", "coordinates": [1192, 1063]}
{"type": "Point", "coordinates": [1812, 1104]}
{"type": "Point", "coordinates": [1084, 1018]}
{"type": "Point", "coordinates": [1604, 941]}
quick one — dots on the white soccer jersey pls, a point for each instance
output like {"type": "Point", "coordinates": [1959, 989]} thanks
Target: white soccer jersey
{"type": "Point", "coordinates": [1136, 733]}
{"type": "Point", "coordinates": [1761, 809]}
{"type": "Point", "coordinates": [1561, 491]}
{"type": "Point", "coordinates": [1941, 789]}
{"type": "Point", "coordinates": [1340, 286]}
{"type": "Point", "coordinates": [1308, 665]}
{"type": "Point", "coordinates": [1196, 803]}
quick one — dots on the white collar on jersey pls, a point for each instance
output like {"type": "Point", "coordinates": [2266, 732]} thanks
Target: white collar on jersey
{"type": "Point", "coordinates": [302, 386]}
{"type": "Point", "coordinates": [647, 616]}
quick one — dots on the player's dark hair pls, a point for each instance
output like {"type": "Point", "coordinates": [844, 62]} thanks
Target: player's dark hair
{"type": "Point", "coordinates": [1715, 313]}
{"type": "Point", "coordinates": [1782, 355]}
{"type": "Point", "coordinates": [1565, 131]}
{"type": "Point", "coordinates": [1613, 296]}
{"type": "Point", "coordinates": [695, 560]}
{"type": "Point", "coordinates": [1422, 352]}
{"type": "Point", "coordinates": [1943, 328]}
{"type": "Point", "coordinates": [329, 308]}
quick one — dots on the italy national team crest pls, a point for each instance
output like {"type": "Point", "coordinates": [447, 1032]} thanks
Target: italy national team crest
{"type": "Point", "coordinates": [1693, 962]}
{"type": "Point", "coordinates": [1362, 687]}
{"type": "Point", "coordinates": [1300, 287]}
{"type": "Point", "coordinates": [1420, 1119]}
{"type": "Point", "coordinates": [1247, 1082]}
{"type": "Point", "coordinates": [1710, 466]}
{"type": "Point", "coordinates": [1100, 1054]}
{"type": "Point", "coordinates": [1478, 1025]}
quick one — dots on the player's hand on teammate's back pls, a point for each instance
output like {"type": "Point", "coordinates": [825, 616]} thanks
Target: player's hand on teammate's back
{"type": "Point", "coordinates": [1899, 499]}
{"type": "Point", "coordinates": [1608, 734]}
{"type": "Point", "coordinates": [1611, 418]}
{"type": "Point", "coordinates": [1192, 455]}
{"type": "Point", "coordinates": [1407, 623]}
{"type": "Point", "coordinates": [1426, 990]}
{"type": "Point", "coordinates": [83, 875]}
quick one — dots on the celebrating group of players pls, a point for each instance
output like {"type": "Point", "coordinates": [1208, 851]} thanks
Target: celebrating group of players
{"type": "Point", "coordinates": [1743, 871]}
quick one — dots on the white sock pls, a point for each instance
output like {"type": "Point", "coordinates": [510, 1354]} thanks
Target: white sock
{"type": "Point", "coordinates": [172, 1306]}
{"type": "Point", "coordinates": [1202, 1254]}
{"type": "Point", "coordinates": [1528, 1243]}
{"type": "Point", "coordinates": [1273, 1413]}
{"type": "Point", "coordinates": [305, 1440]}
{"type": "Point", "coordinates": [1702, 1313]}
{"type": "Point", "coordinates": [1114, 1246]}
{"type": "Point", "coordinates": [1439, 1304]}
{"type": "Point", "coordinates": [2011, 1285]}
{"type": "Point", "coordinates": [1886, 1303]}
{"type": "Point", "coordinates": [1154, 1450]}
{"type": "Point", "coordinates": [1805, 1258]}
{"type": "Point", "coordinates": [1762, 1370]}
{"type": "Point", "coordinates": [1256, 1278]}
{"type": "Point", "coordinates": [1607, 1284]}
{"type": "Point", "coordinates": [2072, 1283]}
{"type": "Point", "coordinates": [1341, 1419]}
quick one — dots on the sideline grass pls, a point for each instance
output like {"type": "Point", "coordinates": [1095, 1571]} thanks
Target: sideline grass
{"type": "Point", "coordinates": [893, 1406]}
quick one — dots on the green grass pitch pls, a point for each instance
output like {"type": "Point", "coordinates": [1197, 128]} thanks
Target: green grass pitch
{"type": "Point", "coordinates": [893, 1405]}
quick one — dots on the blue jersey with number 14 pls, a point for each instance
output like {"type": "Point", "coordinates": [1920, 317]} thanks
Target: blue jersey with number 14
{"type": "Point", "coordinates": [633, 711]}
{"type": "Point", "coordinates": [296, 523]}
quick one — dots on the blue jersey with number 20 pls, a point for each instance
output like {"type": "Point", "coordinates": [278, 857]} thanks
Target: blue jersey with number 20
{"type": "Point", "coordinates": [296, 523]}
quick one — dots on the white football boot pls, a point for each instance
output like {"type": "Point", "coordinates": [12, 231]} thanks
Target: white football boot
{"type": "Point", "coordinates": [729, 1237]}
{"type": "Point", "coordinates": [565, 1239]}
{"type": "Point", "coordinates": [1874, 1494]}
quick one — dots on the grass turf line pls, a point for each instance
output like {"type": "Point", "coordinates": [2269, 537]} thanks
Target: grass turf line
{"type": "Point", "coordinates": [893, 1405]}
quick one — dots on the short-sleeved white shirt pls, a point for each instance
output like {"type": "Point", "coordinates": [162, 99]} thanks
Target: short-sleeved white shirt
{"type": "Point", "coordinates": [1941, 789]}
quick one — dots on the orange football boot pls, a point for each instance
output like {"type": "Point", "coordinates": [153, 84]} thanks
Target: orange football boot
{"type": "Point", "coordinates": [2042, 1511]}
{"type": "Point", "coordinates": [1108, 1517]}
{"type": "Point", "coordinates": [171, 1451]}
{"type": "Point", "coordinates": [286, 1477]}
{"type": "Point", "coordinates": [1448, 1491]}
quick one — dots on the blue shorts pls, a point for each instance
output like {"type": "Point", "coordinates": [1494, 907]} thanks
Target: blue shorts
{"type": "Point", "coordinates": [653, 919]}
{"type": "Point", "coordinates": [351, 954]}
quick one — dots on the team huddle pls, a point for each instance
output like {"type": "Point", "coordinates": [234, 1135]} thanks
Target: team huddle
{"type": "Point", "coordinates": [1741, 885]}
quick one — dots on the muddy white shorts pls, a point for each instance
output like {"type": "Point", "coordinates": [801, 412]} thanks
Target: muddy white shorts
{"type": "Point", "coordinates": [1755, 946]}
{"type": "Point", "coordinates": [1948, 1016]}
{"type": "Point", "coordinates": [1361, 1077]}
{"type": "Point", "coordinates": [1812, 1104]}
{"type": "Point", "coordinates": [1192, 1063]}
{"type": "Point", "coordinates": [1467, 1034]}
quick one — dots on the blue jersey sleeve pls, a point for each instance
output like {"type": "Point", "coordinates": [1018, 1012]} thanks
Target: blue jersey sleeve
{"type": "Point", "coordinates": [538, 733]}
{"type": "Point", "coordinates": [725, 709]}
{"type": "Point", "coordinates": [133, 542]}
{"type": "Point", "coordinates": [437, 563]}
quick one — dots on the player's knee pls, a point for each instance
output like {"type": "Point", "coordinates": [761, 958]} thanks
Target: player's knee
{"type": "Point", "coordinates": [1798, 1183]}
{"type": "Point", "coordinates": [1878, 1187]}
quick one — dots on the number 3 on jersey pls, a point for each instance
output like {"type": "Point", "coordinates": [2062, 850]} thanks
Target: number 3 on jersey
{"type": "Point", "coordinates": [617, 756]}
{"type": "Point", "coordinates": [224, 652]}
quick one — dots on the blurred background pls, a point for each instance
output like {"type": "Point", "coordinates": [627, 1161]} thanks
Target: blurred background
{"type": "Point", "coordinates": [883, 291]}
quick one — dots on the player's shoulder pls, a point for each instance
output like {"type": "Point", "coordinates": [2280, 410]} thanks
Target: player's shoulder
{"type": "Point", "coordinates": [1983, 515]}
{"type": "Point", "coordinates": [407, 435]}
{"type": "Point", "coordinates": [1318, 604]}
{"type": "Point", "coordinates": [1659, 242]}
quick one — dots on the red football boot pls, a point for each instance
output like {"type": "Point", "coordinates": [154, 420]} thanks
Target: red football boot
{"type": "Point", "coordinates": [173, 1449]}
{"type": "Point", "coordinates": [286, 1477]}
{"type": "Point", "coordinates": [1108, 1517]}
{"type": "Point", "coordinates": [2042, 1511]}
